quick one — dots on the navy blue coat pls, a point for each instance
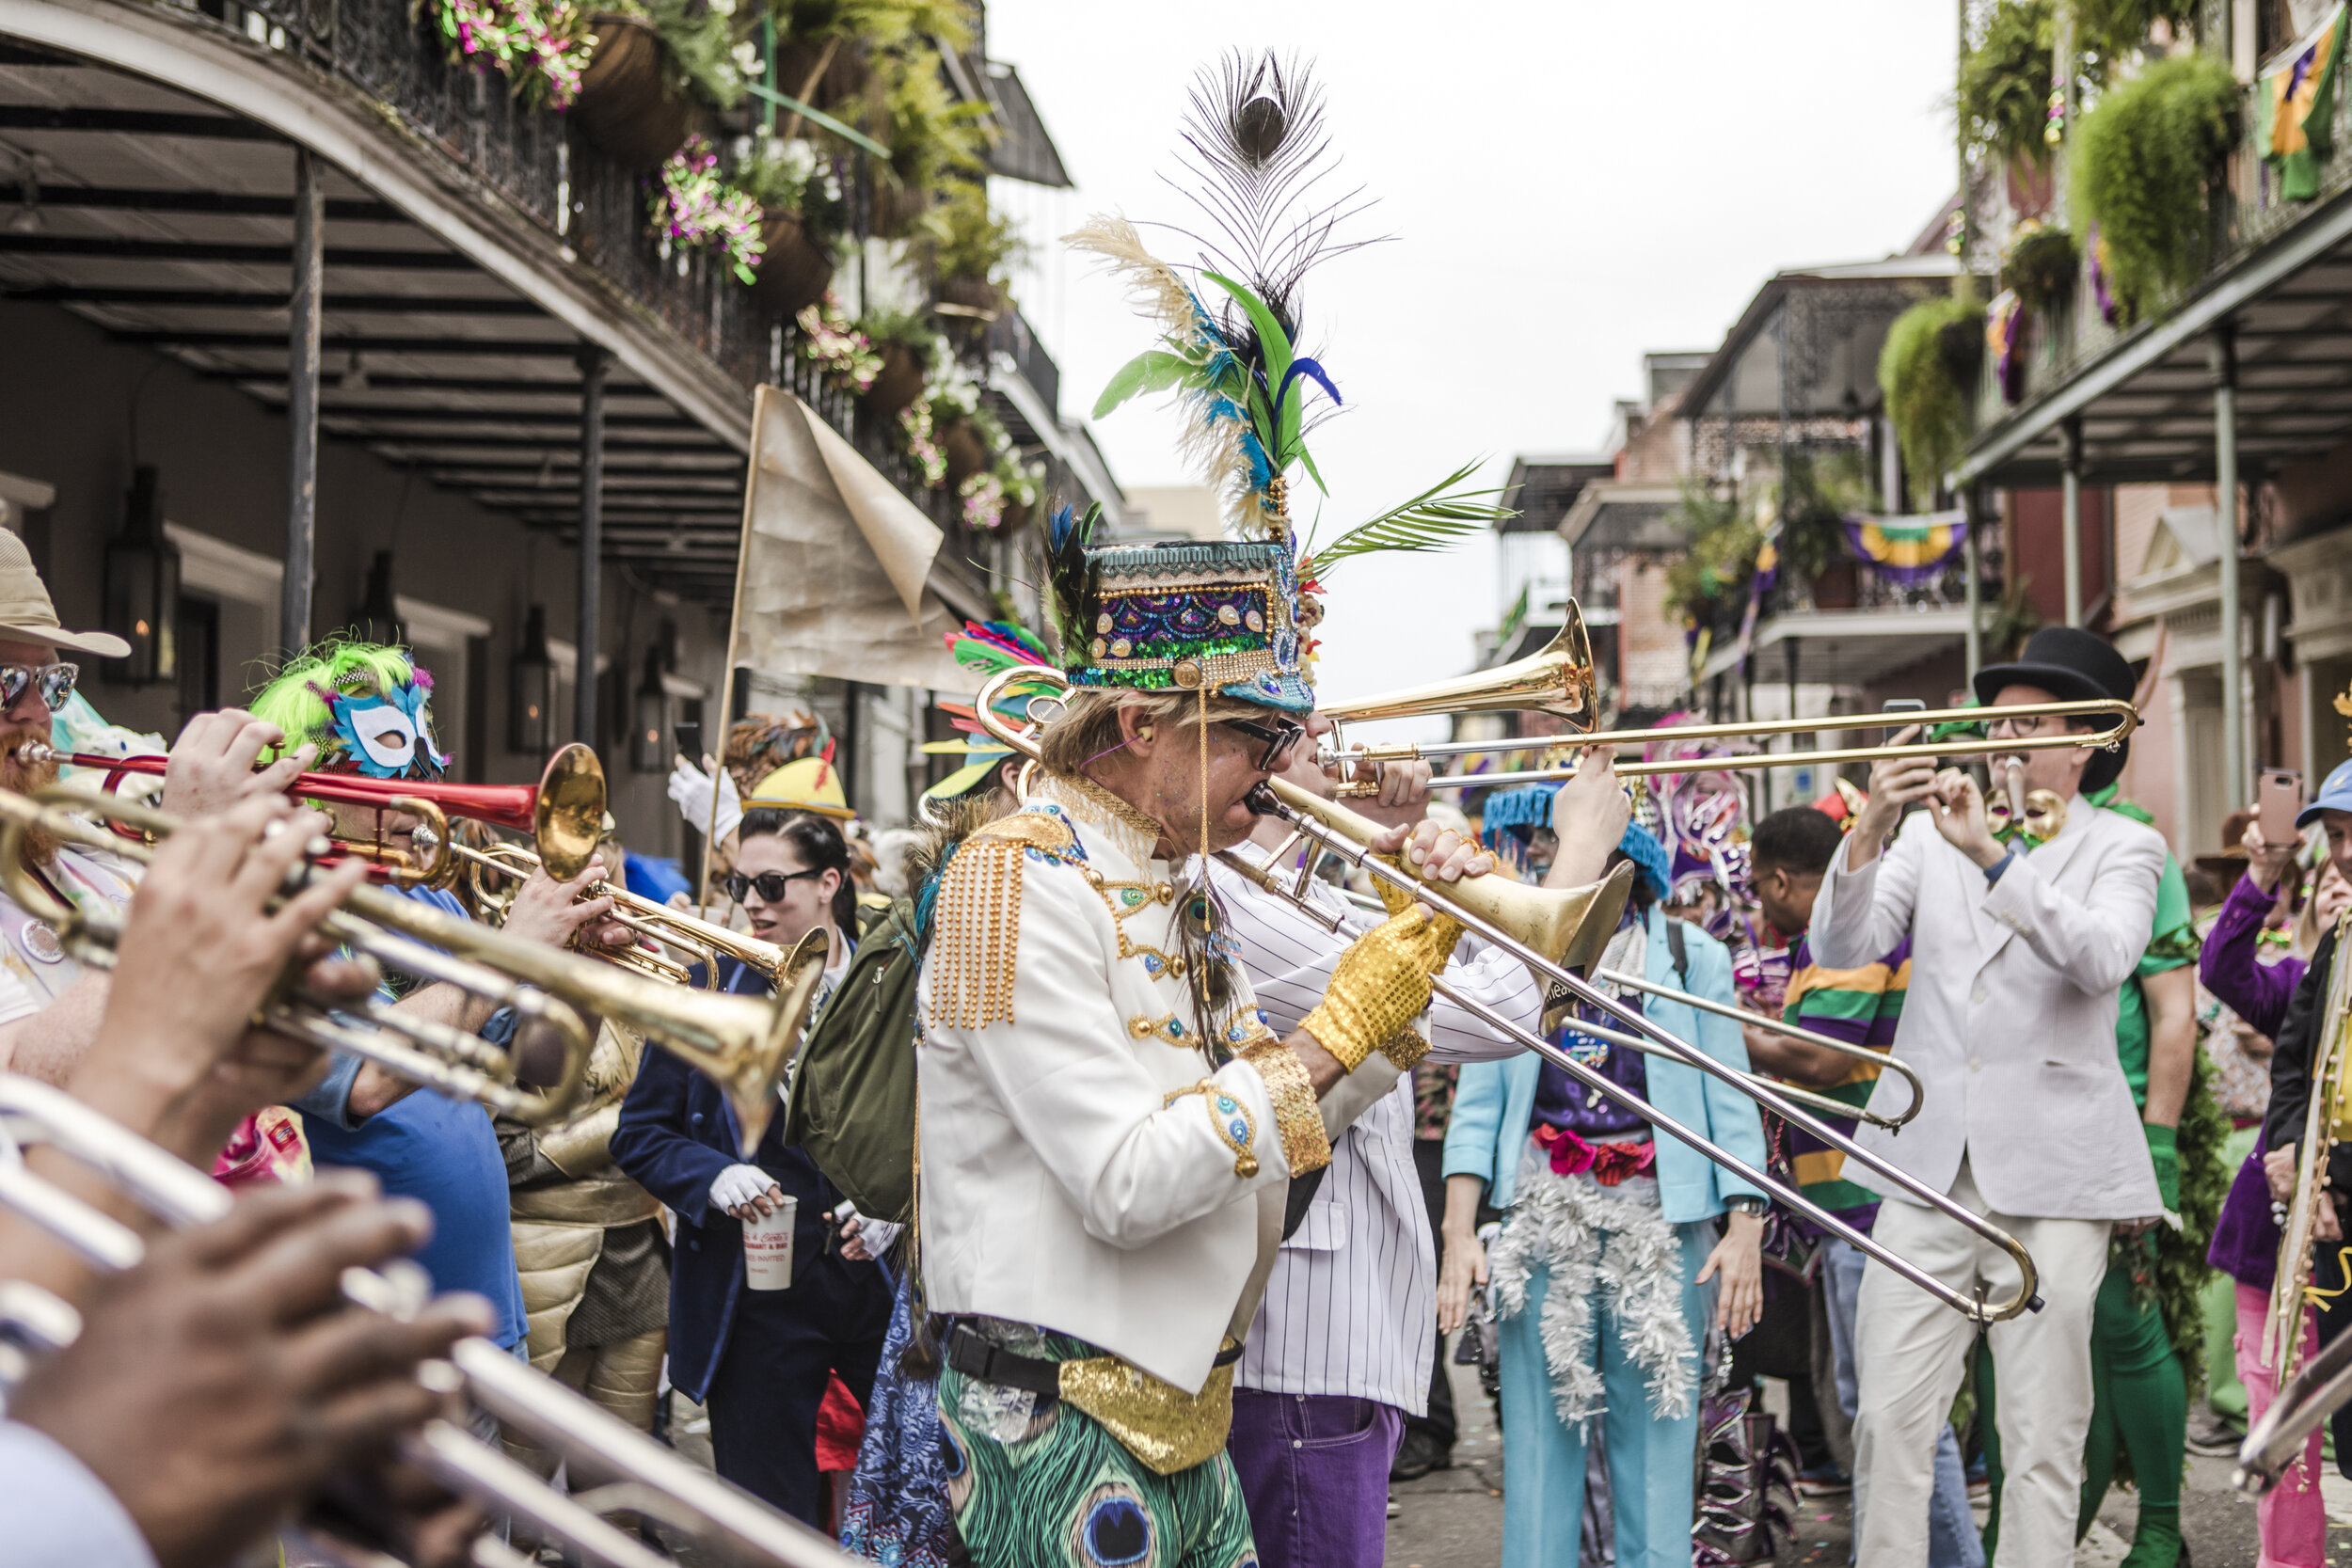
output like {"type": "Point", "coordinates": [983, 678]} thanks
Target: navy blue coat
{"type": "Point", "coordinates": [676, 1133]}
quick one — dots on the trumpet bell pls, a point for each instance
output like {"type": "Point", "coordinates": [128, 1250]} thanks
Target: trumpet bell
{"type": "Point", "coordinates": [1569, 926]}
{"type": "Point", "coordinates": [1558, 681]}
{"type": "Point", "coordinates": [567, 818]}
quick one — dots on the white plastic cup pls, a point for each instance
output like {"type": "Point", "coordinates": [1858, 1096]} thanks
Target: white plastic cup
{"type": "Point", "coordinates": [768, 1248]}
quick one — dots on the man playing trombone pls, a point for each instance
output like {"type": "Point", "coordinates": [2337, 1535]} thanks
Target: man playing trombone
{"type": "Point", "coordinates": [2018, 951]}
{"type": "Point", "coordinates": [1107, 1125]}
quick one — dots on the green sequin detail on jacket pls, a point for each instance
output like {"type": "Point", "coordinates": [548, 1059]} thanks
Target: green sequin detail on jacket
{"type": "Point", "coordinates": [1067, 1495]}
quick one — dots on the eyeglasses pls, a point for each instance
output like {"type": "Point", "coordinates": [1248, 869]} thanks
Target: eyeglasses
{"type": "Point", "coordinates": [770, 885]}
{"type": "Point", "coordinates": [55, 682]}
{"type": "Point", "coordinates": [1281, 738]}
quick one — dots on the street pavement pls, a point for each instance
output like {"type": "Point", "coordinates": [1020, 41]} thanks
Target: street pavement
{"type": "Point", "coordinates": [1453, 1518]}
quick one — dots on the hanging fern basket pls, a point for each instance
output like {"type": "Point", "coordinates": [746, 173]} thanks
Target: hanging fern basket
{"type": "Point", "coordinates": [625, 102]}
{"type": "Point", "coordinates": [2147, 161]}
{"type": "Point", "coordinates": [1928, 371]}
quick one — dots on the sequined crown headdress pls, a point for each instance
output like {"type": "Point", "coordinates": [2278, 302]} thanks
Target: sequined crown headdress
{"type": "Point", "coordinates": [1235, 617]}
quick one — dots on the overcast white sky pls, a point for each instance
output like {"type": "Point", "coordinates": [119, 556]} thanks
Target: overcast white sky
{"type": "Point", "coordinates": [1570, 183]}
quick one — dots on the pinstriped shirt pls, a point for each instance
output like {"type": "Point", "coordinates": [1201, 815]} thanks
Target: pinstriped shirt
{"type": "Point", "coordinates": [1351, 1308]}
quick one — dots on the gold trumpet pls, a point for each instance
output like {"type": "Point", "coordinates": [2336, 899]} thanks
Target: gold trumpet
{"type": "Point", "coordinates": [730, 1525]}
{"type": "Point", "coordinates": [1559, 680]}
{"type": "Point", "coordinates": [741, 1041]}
{"type": "Point", "coordinates": [1334, 827]}
{"type": "Point", "coordinates": [706, 939]}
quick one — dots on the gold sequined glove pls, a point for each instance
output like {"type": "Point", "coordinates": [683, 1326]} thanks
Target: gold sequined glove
{"type": "Point", "coordinates": [1380, 985]}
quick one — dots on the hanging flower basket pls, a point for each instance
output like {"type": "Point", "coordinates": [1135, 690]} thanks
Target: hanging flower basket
{"type": "Point", "coordinates": [541, 46]}
{"type": "Point", "coordinates": [897, 384]}
{"type": "Point", "coordinates": [966, 453]}
{"type": "Point", "coordinates": [984, 503]}
{"type": "Point", "coordinates": [843, 77]}
{"type": "Point", "coordinates": [838, 350]}
{"type": "Point", "coordinates": [798, 269]}
{"type": "Point", "coordinates": [921, 445]}
{"type": "Point", "coordinates": [693, 209]}
{"type": "Point", "coordinates": [625, 103]}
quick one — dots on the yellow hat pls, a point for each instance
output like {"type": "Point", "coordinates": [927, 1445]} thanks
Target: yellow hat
{"type": "Point", "coordinates": [811, 784]}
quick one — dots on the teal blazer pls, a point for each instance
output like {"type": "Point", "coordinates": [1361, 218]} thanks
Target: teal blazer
{"type": "Point", "coordinates": [1494, 1102]}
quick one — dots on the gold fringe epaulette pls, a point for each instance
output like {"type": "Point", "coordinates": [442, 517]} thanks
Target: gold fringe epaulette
{"type": "Point", "coordinates": [977, 936]}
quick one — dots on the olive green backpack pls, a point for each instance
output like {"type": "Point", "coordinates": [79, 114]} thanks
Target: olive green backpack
{"type": "Point", "coordinates": [851, 1101]}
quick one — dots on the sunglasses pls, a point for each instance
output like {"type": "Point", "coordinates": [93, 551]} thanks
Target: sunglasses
{"type": "Point", "coordinates": [1281, 738]}
{"type": "Point", "coordinates": [55, 682]}
{"type": "Point", "coordinates": [771, 884]}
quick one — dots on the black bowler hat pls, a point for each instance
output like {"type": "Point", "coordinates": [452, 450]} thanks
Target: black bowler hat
{"type": "Point", "coordinates": [2074, 666]}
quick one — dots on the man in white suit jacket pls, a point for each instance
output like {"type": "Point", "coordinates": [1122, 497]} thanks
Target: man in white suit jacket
{"type": "Point", "coordinates": [2018, 952]}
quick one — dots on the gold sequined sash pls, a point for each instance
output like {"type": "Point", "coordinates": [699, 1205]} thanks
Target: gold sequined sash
{"type": "Point", "coordinates": [1166, 1428]}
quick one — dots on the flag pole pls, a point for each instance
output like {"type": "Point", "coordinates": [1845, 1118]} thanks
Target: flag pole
{"type": "Point", "coordinates": [734, 631]}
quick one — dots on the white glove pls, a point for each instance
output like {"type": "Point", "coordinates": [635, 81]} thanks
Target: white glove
{"type": "Point", "coordinates": [736, 1185]}
{"type": "Point", "coordinates": [690, 786]}
{"type": "Point", "coordinates": [877, 1235]}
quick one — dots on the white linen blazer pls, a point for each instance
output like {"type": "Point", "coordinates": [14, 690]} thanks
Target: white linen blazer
{"type": "Point", "coordinates": [1067, 1179]}
{"type": "Point", "coordinates": [2010, 1015]}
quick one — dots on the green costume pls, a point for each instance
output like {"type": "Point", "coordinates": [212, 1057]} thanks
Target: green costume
{"type": "Point", "coordinates": [2147, 1329]}
{"type": "Point", "coordinates": [1012, 1501]}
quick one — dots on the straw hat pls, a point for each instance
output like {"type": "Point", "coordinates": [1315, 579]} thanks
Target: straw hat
{"type": "Point", "coordinates": [811, 785]}
{"type": "Point", "coordinates": [27, 616]}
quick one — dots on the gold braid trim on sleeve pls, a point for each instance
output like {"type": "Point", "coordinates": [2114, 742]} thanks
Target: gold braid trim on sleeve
{"type": "Point", "coordinates": [1297, 1120]}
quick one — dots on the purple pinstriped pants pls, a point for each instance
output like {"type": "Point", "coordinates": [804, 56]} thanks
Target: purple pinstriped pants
{"type": "Point", "coordinates": [1314, 1470]}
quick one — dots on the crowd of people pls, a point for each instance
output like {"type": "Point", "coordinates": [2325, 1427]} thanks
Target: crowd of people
{"type": "Point", "coordinates": [1140, 1157]}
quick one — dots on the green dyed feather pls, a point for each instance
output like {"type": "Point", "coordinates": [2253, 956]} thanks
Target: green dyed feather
{"type": "Point", "coordinates": [1438, 518]}
{"type": "Point", "coordinates": [1153, 371]}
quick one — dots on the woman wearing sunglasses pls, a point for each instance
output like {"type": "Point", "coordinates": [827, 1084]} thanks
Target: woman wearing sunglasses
{"type": "Point", "coordinates": [759, 1360]}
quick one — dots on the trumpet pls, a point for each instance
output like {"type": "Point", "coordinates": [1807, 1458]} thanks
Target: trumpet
{"type": "Point", "coordinates": [1334, 827]}
{"type": "Point", "coordinates": [742, 1042]}
{"type": "Point", "coordinates": [731, 1524]}
{"type": "Point", "coordinates": [564, 812]}
{"type": "Point", "coordinates": [1559, 680]}
{"type": "Point", "coordinates": [707, 939]}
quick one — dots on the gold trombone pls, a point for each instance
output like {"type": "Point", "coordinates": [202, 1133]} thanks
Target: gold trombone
{"type": "Point", "coordinates": [741, 1041]}
{"type": "Point", "coordinates": [1334, 827]}
{"type": "Point", "coordinates": [707, 940]}
{"type": "Point", "coordinates": [1560, 681]}
{"type": "Point", "coordinates": [730, 1525]}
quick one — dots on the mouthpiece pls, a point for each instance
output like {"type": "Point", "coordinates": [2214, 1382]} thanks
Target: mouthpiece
{"type": "Point", "coordinates": [34, 753]}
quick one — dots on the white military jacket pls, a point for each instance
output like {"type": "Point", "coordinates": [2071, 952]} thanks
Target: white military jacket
{"type": "Point", "coordinates": [1074, 1173]}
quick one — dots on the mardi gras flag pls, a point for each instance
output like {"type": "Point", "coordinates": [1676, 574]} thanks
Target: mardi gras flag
{"type": "Point", "coordinates": [1908, 550]}
{"type": "Point", "coordinates": [2295, 102]}
{"type": "Point", "coordinates": [2004, 336]}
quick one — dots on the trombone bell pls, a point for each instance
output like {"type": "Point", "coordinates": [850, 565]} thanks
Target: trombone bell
{"type": "Point", "coordinates": [1558, 681]}
{"type": "Point", "coordinates": [1569, 926]}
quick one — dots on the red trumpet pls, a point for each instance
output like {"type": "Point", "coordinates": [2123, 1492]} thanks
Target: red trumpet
{"type": "Point", "coordinates": [563, 813]}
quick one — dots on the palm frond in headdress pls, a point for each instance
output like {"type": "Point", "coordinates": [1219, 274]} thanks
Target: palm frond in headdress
{"type": "Point", "coordinates": [1438, 518]}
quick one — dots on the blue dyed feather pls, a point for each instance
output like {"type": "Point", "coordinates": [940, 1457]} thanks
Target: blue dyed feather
{"type": "Point", "coordinates": [1301, 365]}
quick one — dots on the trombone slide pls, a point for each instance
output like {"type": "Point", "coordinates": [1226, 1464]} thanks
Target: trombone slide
{"type": "Point", "coordinates": [1342, 831]}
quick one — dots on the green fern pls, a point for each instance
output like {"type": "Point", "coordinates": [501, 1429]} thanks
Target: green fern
{"type": "Point", "coordinates": [1438, 518]}
{"type": "Point", "coordinates": [2005, 83]}
{"type": "Point", "coordinates": [2145, 163]}
{"type": "Point", "coordinates": [1928, 371]}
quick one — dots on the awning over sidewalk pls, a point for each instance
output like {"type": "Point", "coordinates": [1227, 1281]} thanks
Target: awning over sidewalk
{"type": "Point", "coordinates": [836, 563]}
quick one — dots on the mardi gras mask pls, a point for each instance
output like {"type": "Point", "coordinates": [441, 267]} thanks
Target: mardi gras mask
{"type": "Point", "coordinates": [389, 735]}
